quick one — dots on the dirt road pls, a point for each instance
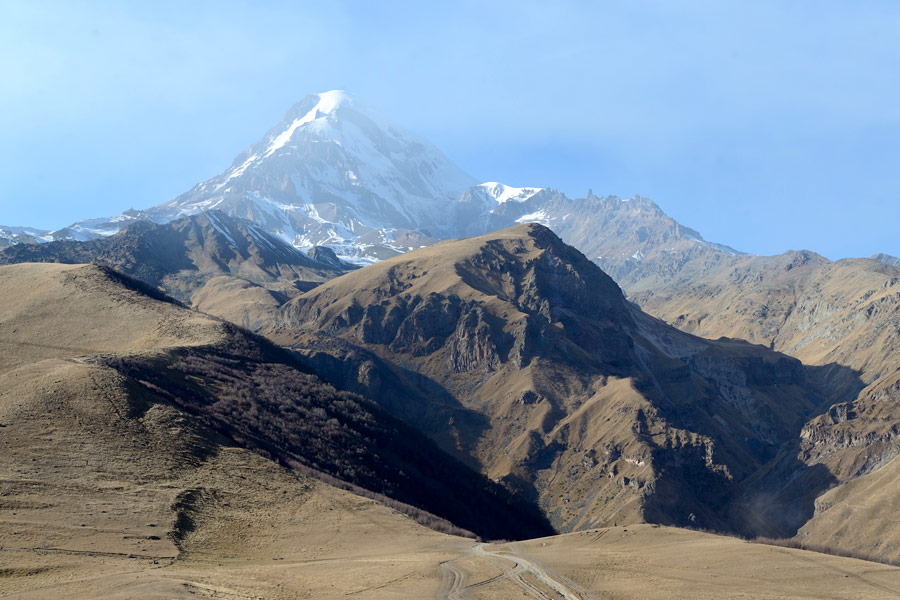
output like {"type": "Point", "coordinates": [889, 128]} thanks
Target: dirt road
{"type": "Point", "coordinates": [516, 571]}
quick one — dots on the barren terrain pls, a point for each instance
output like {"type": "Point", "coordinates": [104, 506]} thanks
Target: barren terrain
{"type": "Point", "coordinates": [110, 488]}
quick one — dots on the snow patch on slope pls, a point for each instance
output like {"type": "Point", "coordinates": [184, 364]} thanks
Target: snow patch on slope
{"type": "Point", "coordinates": [328, 103]}
{"type": "Point", "coordinates": [540, 216]}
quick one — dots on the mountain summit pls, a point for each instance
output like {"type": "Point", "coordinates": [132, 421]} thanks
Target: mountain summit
{"type": "Point", "coordinates": [335, 172]}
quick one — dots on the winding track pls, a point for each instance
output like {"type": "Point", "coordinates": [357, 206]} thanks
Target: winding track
{"type": "Point", "coordinates": [526, 574]}
{"type": "Point", "coordinates": [453, 580]}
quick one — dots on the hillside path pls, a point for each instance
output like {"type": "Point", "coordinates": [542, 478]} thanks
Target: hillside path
{"type": "Point", "coordinates": [515, 571]}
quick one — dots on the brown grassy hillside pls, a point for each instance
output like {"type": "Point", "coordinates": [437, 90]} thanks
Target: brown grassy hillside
{"type": "Point", "coordinates": [238, 385]}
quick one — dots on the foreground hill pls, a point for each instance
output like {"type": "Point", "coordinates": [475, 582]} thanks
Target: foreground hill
{"type": "Point", "coordinates": [64, 327]}
{"type": "Point", "coordinates": [325, 544]}
{"type": "Point", "coordinates": [108, 492]}
{"type": "Point", "coordinates": [647, 562]}
{"type": "Point", "coordinates": [536, 368]}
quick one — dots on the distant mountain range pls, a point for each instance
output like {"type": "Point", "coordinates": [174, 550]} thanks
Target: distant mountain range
{"type": "Point", "coordinates": [887, 259]}
{"type": "Point", "coordinates": [334, 172]}
{"type": "Point", "coordinates": [837, 315]}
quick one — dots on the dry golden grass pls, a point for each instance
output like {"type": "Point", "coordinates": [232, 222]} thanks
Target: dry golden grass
{"type": "Point", "coordinates": [648, 562]}
{"type": "Point", "coordinates": [238, 301]}
{"type": "Point", "coordinates": [53, 311]}
{"type": "Point", "coordinates": [107, 493]}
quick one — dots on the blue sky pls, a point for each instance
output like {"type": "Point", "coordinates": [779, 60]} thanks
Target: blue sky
{"type": "Point", "coordinates": [764, 125]}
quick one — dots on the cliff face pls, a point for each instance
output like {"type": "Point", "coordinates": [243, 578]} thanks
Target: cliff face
{"type": "Point", "coordinates": [518, 354]}
{"type": "Point", "coordinates": [859, 442]}
{"type": "Point", "coordinates": [859, 437]}
{"type": "Point", "coordinates": [844, 318]}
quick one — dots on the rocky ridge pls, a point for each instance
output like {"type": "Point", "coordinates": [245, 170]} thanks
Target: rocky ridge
{"type": "Point", "coordinates": [843, 314]}
{"type": "Point", "coordinates": [538, 370]}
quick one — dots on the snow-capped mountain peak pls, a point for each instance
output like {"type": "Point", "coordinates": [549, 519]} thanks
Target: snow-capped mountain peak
{"type": "Point", "coordinates": [328, 104]}
{"type": "Point", "coordinates": [335, 171]}
{"type": "Point", "coordinates": [18, 235]}
{"type": "Point", "coordinates": [332, 100]}
{"type": "Point", "coordinates": [506, 193]}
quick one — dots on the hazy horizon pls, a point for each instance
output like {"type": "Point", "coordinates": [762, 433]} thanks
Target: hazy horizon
{"type": "Point", "coordinates": [764, 126]}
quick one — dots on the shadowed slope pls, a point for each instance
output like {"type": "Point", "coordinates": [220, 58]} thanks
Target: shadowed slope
{"type": "Point", "coordinates": [241, 387]}
{"type": "Point", "coordinates": [845, 312]}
